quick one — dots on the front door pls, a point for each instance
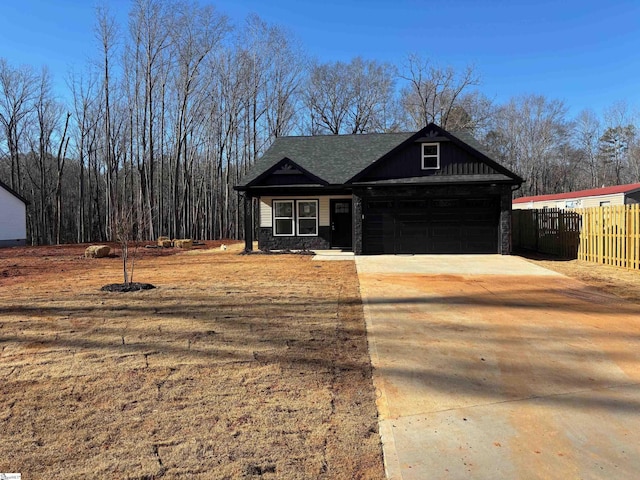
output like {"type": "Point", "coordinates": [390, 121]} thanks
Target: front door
{"type": "Point", "coordinates": [340, 223]}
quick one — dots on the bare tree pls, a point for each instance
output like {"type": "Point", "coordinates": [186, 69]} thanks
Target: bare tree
{"type": "Point", "coordinates": [107, 33]}
{"type": "Point", "coordinates": [371, 89]}
{"type": "Point", "coordinates": [349, 97]}
{"type": "Point", "coordinates": [285, 63]}
{"type": "Point", "coordinates": [17, 92]}
{"type": "Point", "coordinates": [616, 142]}
{"type": "Point", "coordinates": [327, 97]}
{"type": "Point", "coordinates": [146, 62]}
{"type": "Point", "coordinates": [195, 34]}
{"type": "Point", "coordinates": [84, 132]}
{"type": "Point", "coordinates": [129, 235]}
{"type": "Point", "coordinates": [440, 95]}
{"type": "Point", "coordinates": [60, 163]}
{"type": "Point", "coordinates": [586, 137]}
{"type": "Point", "coordinates": [530, 135]}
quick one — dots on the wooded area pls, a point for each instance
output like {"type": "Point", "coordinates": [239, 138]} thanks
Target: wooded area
{"type": "Point", "coordinates": [176, 105]}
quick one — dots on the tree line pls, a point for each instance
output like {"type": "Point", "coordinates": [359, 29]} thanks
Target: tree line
{"type": "Point", "coordinates": [178, 103]}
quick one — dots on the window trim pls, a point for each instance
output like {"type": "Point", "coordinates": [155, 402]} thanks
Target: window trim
{"type": "Point", "coordinates": [436, 156]}
{"type": "Point", "coordinates": [292, 218]}
{"type": "Point", "coordinates": [295, 218]}
{"type": "Point", "coordinates": [298, 217]}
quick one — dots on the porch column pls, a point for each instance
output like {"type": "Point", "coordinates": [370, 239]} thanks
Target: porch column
{"type": "Point", "coordinates": [357, 223]}
{"type": "Point", "coordinates": [248, 222]}
{"type": "Point", "coordinates": [505, 220]}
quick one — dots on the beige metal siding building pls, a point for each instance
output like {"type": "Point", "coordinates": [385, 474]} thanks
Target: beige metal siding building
{"type": "Point", "coordinates": [595, 197]}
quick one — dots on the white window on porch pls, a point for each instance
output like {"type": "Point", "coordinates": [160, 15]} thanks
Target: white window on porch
{"type": "Point", "coordinates": [307, 218]}
{"type": "Point", "coordinates": [283, 218]}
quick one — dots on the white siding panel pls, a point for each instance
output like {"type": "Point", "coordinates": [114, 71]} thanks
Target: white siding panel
{"type": "Point", "coordinates": [13, 225]}
{"type": "Point", "coordinates": [266, 219]}
{"type": "Point", "coordinates": [615, 199]}
{"type": "Point", "coordinates": [324, 212]}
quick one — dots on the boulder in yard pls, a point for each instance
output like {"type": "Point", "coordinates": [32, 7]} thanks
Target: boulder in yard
{"type": "Point", "coordinates": [185, 243]}
{"type": "Point", "coordinates": [165, 242]}
{"type": "Point", "coordinates": [97, 251]}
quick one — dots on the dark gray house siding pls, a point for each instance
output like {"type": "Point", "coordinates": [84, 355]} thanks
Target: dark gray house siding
{"type": "Point", "coordinates": [404, 198]}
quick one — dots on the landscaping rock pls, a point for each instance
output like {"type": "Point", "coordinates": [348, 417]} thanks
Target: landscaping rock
{"type": "Point", "coordinates": [165, 242]}
{"type": "Point", "coordinates": [185, 243]}
{"type": "Point", "coordinates": [97, 251]}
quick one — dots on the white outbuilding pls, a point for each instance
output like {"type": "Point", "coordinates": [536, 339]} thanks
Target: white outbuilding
{"type": "Point", "coordinates": [13, 217]}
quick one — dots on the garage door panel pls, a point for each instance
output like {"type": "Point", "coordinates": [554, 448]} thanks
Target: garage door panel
{"type": "Point", "coordinates": [379, 233]}
{"type": "Point", "coordinates": [437, 225]}
{"type": "Point", "coordinates": [412, 234]}
{"type": "Point", "coordinates": [445, 238]}
{"type": "Point", "coordinates": [480, 239]}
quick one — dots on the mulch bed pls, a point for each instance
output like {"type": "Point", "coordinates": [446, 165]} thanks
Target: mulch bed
{"type": "Point", "coordinates": [127, 287]}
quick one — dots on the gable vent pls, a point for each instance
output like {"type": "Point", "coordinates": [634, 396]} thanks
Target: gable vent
{"type": "Point", "coordinates": [287, 169]}
{"type": "Point", "coordinates": [431, 136]}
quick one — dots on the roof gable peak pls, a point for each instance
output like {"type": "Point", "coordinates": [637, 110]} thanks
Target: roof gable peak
{"type": "Point", "coordinates": [287, 172]}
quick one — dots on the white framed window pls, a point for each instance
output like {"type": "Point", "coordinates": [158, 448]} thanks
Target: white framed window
{"type": "Point", "coordinates": [283, 218]}
{"type": "Point", "coordinates": [307, 220]}
{"type": "Point", "coordinates": [430, 156]}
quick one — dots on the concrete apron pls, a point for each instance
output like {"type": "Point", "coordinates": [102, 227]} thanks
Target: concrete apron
{"type": "Point", "coordinates": [491, 367]}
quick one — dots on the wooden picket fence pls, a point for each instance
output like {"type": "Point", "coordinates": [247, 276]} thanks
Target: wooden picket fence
{"type": "Point", "coordinates": [605, 235]}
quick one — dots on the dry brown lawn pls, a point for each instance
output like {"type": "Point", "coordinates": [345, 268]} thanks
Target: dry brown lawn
{"type": "Point", "coordinates": [617, 281]}
{"type": "Point", "coordinates": [234, 367]}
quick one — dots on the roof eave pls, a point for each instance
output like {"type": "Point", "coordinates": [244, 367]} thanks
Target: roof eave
{"type": "Point", "coordinates": [14, 193]}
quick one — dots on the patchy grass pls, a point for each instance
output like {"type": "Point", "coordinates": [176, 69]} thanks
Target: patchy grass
{"type": "Point", "coordinates": [617, 281]}
{"type": "Point", "coordinates": [234, 367]}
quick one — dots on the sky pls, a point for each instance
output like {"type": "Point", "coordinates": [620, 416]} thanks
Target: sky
{"type": "Point", "coordinates": [583, 52]}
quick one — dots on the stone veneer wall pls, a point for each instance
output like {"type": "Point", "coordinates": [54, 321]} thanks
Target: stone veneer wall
{"type": "Point", "coordinates": [266, 240]}
{"type": "Point", "coordinates": [506, 199]}
{"type": "Point", "coordinates": [357, 224]}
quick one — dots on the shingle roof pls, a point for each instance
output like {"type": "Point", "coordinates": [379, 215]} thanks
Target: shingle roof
{"type": "Point", "coordinates": [338, 159]}
{"type": "Point", "coordinates": [334, 158]}
{"type": "Point", "coordinates": [592, 192]}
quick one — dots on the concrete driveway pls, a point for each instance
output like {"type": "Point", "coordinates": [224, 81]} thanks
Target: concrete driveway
{"type": "Point", "coordinates": [490, 367]}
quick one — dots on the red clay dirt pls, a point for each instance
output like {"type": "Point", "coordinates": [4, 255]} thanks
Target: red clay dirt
{"type": "Point", "coordinates": [234, 367]}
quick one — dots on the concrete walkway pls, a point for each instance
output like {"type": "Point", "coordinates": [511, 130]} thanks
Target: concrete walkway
{"type": "Point", "coordinates": [332, 256]}
{"type": "Point", "coordinates": [490, 367]}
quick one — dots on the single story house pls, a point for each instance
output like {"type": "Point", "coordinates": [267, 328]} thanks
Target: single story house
{"type": "Point", "coordinates": [594, 197]}
{"type": "Point", "coordinates": [13, 217]}
{"type": "Point", "coordinates": [430, 191]}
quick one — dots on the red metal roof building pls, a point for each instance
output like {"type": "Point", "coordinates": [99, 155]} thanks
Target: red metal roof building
{"type": "Point", "coordinates": [594, 197]}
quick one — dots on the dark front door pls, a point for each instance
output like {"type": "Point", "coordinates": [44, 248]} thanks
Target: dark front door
{"type": "Point", "coordinates": [340, 223]}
